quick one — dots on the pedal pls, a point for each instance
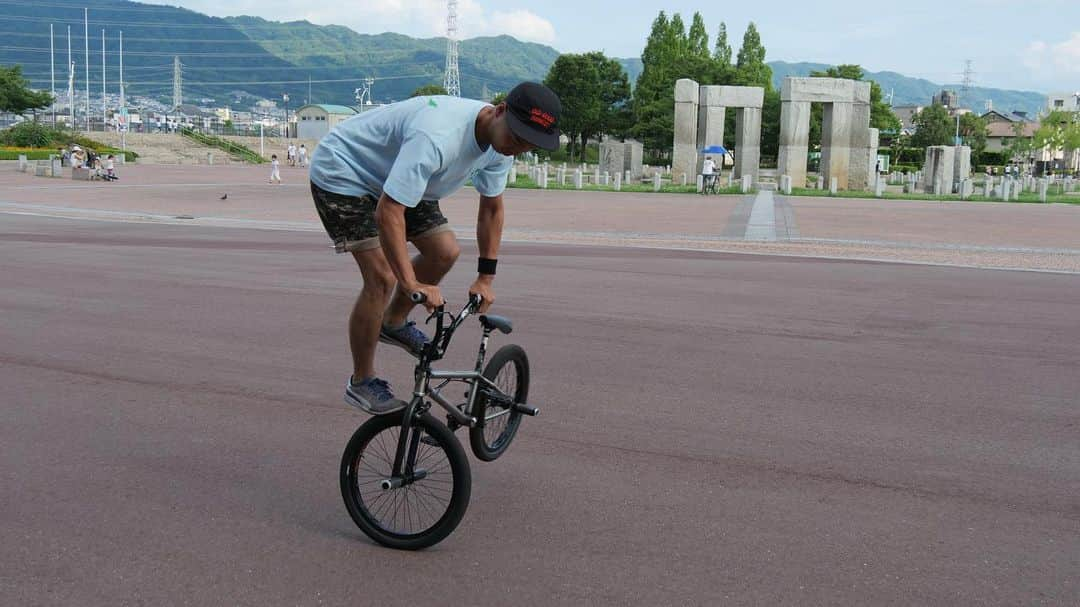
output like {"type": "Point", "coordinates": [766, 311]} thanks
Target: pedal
{"type": "Point", "coordinates": [524, 409]}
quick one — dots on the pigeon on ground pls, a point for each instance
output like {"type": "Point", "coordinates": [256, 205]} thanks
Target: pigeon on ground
{"type": "Point", "coordinates": [224, 196]}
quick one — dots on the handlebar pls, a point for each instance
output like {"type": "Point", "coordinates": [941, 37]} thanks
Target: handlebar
{"type": "Point", "coordinates": [441, 339]}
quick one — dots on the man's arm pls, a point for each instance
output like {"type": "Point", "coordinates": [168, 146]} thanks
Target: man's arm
{"type": "Point", "coordinates": [489, 227]}
{"type": "Point", "coordinates": [390, 219]}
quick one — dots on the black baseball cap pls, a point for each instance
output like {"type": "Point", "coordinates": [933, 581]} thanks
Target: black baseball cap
{"type": "Point", "coordinates": [534, 114]}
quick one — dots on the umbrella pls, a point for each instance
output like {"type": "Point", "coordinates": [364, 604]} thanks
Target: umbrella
{"type": "Point", "coordinates": [714, 149]}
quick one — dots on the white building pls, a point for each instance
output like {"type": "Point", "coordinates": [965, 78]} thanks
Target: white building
{"type": "Point", "coordinates": [314, 121]}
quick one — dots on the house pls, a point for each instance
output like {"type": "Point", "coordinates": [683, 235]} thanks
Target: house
{"type": "Point", "coordinates": [314, 121]}
{"type": "Point", "coordinates": [1002, 129]}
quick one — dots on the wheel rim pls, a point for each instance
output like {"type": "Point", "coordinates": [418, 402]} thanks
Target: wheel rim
{"type": "Point", "coordinates": [410, 510]}
{"type": "Point", "coordinates": [496, 429]}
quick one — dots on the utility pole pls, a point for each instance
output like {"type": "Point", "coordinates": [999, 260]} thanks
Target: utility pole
{"type": "Point", "coordinates": [104, 105]}
{"type": "Point", "coordinates": [71, 85]}
{"type": "Point", "coordinates": [968, 79]}
{"type": "Point", "coordinates": [52, 69]}
{"type": "Point", "coordinates": [86, 50]}
{"type": "Point", "coordinates": [177, 87]}
{"type": "Point", "coordinates": [122, 100]}
{"type": "Point", "coordinates": [452, 80]}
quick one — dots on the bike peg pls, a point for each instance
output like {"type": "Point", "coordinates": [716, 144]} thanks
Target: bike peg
{"type": "Point", "coordinates": [417, 297]}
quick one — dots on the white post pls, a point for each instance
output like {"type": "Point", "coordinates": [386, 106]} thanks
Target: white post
{"type": "Point", "coordinates": [832, 186]}
{"type": "Point", "coordinates": [656, 181]}
{"type": "Point", "coordinates": [700, 183]}
{"type": "Point", "coordinates": [618, 182]}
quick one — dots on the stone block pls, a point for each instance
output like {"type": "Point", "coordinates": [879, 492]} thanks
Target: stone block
{"type": "Point", "coordinates": [833, 186]}
{"type": "Point", "coordinates": [794, 140]}
{"type": "Point", "coordinates": [686, 91]}
{"type": "Point", "coordinates": [618, 182]}
{"type": "Point", "coordinates": [80, 174]}
{"type": "Point", "coordinates": [746, 184]}
{"type": "Point", "coordinates": [820, 90]}
{"type": "Point", "coordinates": [732, 96]}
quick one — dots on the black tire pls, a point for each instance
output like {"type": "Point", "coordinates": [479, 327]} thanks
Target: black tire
{"type": "Point", "coordinates": [509, 369]}
{"type": "Point", "coordinates": [424, 512]}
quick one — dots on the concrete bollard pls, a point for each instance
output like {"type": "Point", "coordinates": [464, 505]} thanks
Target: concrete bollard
{"type": "Point", "coordinates": [210, 158]}
{"type": "Point", "coordinates": [833, 187]}
{"type": "Point", "coordinates": [746, 184]}
{"type": "Point", "coordinates": [820, 182]}
{"type": "Point", "coordinates": [57, 168]}
{"type": "Point", "coordinates": [627, 177]}
{"type": "Point", "coordinates": [700, 183]}
{"type": "Point", "coordinates": [879, 187]}
{"type": "Point", "coordinates": [618, 182]}
{"type": "Point", "coordinates": [512, 177]}
{"type": "Point", "coordinates": [1044, 186]}
{"type": "Point", "coordinates": [785, 184]}
{"type": "Point", "coordinates": [656, 183]}
{"type": "Point", "coordinates": [578, 179]}
{"type": "Point", "coordinates": [22, 163]}
{"type": "Point", "coordinates": [967, 188]}
{"type": "Point", "coordinates": [1005, 185]}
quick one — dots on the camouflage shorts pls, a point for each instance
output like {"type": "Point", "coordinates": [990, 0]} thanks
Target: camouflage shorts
{"type": "Point", "coordinates": [350, 220]}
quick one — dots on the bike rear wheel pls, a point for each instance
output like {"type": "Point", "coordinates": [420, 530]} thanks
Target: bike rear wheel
{"type": "Point", "coordinates": [509, 370]}
{"type": "Point", "coordinates": [421, 513]}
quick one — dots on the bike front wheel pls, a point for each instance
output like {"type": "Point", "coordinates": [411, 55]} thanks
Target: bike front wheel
{"type": "Point", "coordinates": [422, 512]}
{"type": "Point", "coordinates": [509, 370]}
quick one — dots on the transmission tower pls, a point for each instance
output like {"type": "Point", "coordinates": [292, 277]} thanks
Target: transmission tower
{"type": "Point", "coordinates": [177, 84]}
{"type": "Point", "coordinates": [452, 82]}
{"type": "Point", "coordinates": [968, 79]}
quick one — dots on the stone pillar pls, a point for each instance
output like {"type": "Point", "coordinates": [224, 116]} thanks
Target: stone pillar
{"type": "Point", "coordinates": [962, 165]}
{"type": "Point", "coordinates": [656, 181]}
{"type": "Point", "coordinates": [833, 185]}
{"type": "Point", "coordinates": [700, 183]}
{"type": "Point", "coordinates": [21, 167]}
{"type": "Point", "coordinates": [836, 134]}
{"type": "Point", "coordinates": [1006, 184]}
{"type": "Point", "coordinates": [711, 113]}
{"type": "Point", "coordinates": [544, 177]}
{"type": "Point", "coordinates": [879, 186]}
{"type": "Point", "coordinates": [988, 187]}
{"type": "Point", "coordinates": [613, 156]}
{"type": "Point", "coordinates": [820, 182]}
{"type": "Point", "coordinates": [627, 177]}
{"type": "Point", "coordinates": [967, 188]}
{"type": "Point", "coordinates": [794, 139]}
{"type": "Point", "coordinates": [512, 177]}
{"type": "Point", "coordinates": [618, 182]}
{"type": "Point", "coordinates": [785, 184]}
{"type": "Point", "coordinates": [685, 154]}
{"type": "Point", "coordinates": [747, 142]}
{"type": "Point", "coordinates": [578, 180]}
{"type": "Point", "coordinates": [746, 184]}
{"type": "Point", "coordinates": [1044, 186]}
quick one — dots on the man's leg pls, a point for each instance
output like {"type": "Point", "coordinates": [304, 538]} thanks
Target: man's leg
{"type": "Point", "coordinates": [438, 252]}
{"type": "Point", "coordinates": [367, 314]}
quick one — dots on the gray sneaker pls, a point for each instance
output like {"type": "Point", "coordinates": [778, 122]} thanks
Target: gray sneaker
{"type": "Point", "coordinates": [373, 396]}
{"type": "Point", "coordinates": [407, 337]}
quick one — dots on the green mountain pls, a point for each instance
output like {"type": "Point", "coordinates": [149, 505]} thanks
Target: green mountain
{"type": "Point", "coordinates": [236, 60]}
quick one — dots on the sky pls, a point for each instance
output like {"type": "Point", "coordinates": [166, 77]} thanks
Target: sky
{"type": "Point", "coordinates": [1014, 44]}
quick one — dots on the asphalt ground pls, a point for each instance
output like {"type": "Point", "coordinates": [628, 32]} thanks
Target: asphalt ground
{"type": "Point", "coordinates": [717, 428]}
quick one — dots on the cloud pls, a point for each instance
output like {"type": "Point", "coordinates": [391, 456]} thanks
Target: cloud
{"type": "Point", "coordinates": [524, 25]}
{"type": "Point", "coordinates": [418, 18]}
{"type": "Point", "coordinates": [1057, 59]}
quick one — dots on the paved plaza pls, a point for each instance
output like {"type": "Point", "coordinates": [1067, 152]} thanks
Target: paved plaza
{"type": "Point", "coordinates": [740, 405]}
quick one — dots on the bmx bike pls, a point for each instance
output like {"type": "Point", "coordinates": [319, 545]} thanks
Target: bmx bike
{"type": "Point", "coordinates": [405, 478]}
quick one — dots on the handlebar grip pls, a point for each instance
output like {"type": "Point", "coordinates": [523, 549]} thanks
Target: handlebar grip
{"type": "Point", "coordinates": [417, 297]}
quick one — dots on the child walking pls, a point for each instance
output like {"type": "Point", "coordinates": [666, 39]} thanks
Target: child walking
{"type": "Point", "coordinates": [275, 171]}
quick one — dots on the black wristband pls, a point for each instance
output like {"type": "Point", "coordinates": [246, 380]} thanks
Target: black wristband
{"type": "Point", "coordinates": [486, 266]}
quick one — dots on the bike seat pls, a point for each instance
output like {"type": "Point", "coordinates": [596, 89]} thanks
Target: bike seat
{"type": "Point", "coordinates": [491, 321]}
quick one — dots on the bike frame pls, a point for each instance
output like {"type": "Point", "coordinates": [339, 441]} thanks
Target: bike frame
{"type": "Point", "coordinates": [408, 441]}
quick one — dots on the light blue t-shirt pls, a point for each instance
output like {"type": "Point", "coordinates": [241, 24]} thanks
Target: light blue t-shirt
{"type": "Point", "coordinates": [423, 148]}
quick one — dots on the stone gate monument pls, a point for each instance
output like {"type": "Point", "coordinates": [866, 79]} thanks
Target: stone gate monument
{"type": "Point", "coordinates": [699, 122]}
{"type": "Point", "coordinates": [848, 144]}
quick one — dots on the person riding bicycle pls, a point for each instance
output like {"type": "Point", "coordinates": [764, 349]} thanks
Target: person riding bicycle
{"type": "Point", "coordinates": [377, 179]}
{"type": "Point", "coordinates": [708, 173]}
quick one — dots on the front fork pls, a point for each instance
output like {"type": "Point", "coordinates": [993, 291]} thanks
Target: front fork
{"type": "Point", "coordinates": [404, 471]}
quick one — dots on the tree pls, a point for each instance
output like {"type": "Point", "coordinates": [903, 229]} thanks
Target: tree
{"type": "Point", "coordinates": [16, 96]}
{"type": "Point", "coordinates": [698, 39]}
{"type": "Point", "coordinates": [595, 93]}
{"type": "Point", "coordinates": [498, 98]}
{"type": "Point", "coordinates": [429, 89]}
{"type": "Point", "coordinates": [973, 132]}
{"type": "Point", "coordinates": [1058, 131]}
{"type": "Point", "coordinates": [722, 52]}
{"type": "Point", "coordinates": [750, 66]}
{"type": "Point", "coordinates": [933, 126]}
